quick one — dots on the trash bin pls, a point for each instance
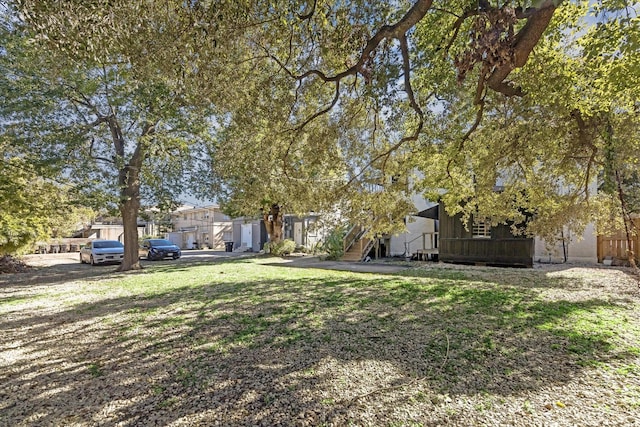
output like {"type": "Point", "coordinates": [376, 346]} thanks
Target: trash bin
{"type": "Point", "coordinates": [228, 246]}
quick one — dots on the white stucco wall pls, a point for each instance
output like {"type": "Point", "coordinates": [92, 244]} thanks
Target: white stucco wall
{"type": "Point", "coordinates": [579, 248]}
{"type": "Point", "coordinates": [412, 240]}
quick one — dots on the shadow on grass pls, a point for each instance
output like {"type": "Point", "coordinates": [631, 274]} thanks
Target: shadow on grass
{"type": "Point", "coordinates": [58, 274]}
{"type": "Point", "coordinates": [556, 276]}
{"type": "Point", "coordinates": [265, 350]}
{"type": "Point", "coordinates": [63, 273]}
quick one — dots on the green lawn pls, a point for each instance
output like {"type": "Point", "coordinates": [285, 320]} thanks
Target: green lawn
{"type": "Point", "coordinates": [252, 341]}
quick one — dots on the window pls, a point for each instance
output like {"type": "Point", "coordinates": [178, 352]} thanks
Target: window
{"type": "Point", "coordinates": [481, 230]}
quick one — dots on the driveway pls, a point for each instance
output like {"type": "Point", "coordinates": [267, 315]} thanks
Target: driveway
{"type": "Point", "coordinates": [70, 262]}
{"type": "Point", "coordinates": [47, 260]}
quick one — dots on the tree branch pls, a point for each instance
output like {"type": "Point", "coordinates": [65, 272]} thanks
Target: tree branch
{"type": "Point", "coordinates": [99, 158]}
{"type": "Point", "coordinates": [467, 135]}
{"type": "Point", "coordinates": [404, 48]}
{"type": "Point", "coordinates": [526, 39]}
{"type": "Point", "coordinates": [309, 14]}
{"type": "Point", "coordinates": [456, 27]}
{"type": "Point", "coordinates": [399, 29]}
{"type": "Point", "coordinates": [116, 134]}
{"type": "Point", "coordinates": [323, 111]}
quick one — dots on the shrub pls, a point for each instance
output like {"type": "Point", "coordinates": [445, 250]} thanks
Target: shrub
{"type": "Point", "coordinates": [283, 247]}
{"type": "Point", "coordinates": [334, 244]}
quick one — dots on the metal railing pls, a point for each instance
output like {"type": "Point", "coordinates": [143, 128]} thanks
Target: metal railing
{"type": "Point", "coordinates": [431, 237]}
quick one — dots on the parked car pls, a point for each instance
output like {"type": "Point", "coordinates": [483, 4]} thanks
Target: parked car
{"type": "Point", "coordinates": [157, 249]}
{"type": "Point", "coordinates": [102, 251]}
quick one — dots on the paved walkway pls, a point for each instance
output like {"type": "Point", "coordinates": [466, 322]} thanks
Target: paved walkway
{"type": "Point", "coordinates": [359, 267]}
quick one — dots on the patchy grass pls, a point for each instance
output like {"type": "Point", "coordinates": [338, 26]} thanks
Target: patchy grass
{"type": "Point", "coordinates": [244, 342]}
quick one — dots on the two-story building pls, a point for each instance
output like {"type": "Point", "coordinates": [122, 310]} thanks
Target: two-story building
{"type": "Point", "coordinates": [199, 227]}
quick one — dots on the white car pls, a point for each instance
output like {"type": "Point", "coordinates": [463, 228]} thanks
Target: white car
{"type": "Point", "coordinates": [102, 251]}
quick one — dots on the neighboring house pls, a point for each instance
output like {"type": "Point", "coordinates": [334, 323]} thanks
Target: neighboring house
{"type": "Point", "coordinates": [249, 234]}
{"type": "Point", "coordinates": [305, 231]}
{"type": "Point", "coordinates": [420, 239]}
{"type": "Point", "coordinates": [422, 231]}
{"type": "Point", "coordinates": [436, 235]}
{"type": "Point", "coordinates": [432, 234]}
{"type": "Point", "coordinates": [109, 230]}
{"type": "Point", "coordinates": [482, 243]}
{"type": "Point", "coordinates": [200, 227]}
{"type": "Point", "coordinates": [569, 248]}
{"type": "Point", "coordinates": [158, 223]}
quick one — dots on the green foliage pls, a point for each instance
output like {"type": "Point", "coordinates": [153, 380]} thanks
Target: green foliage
{"type": "Point", "coordinates": [334, 243]}
{"type": "Point", "coordinates": [114, 124]}
{"type": "Point", "coordinates": [95, 370]}
{"type": "Point", "coordinates": [283, 247]}
{"type": "Point", "coordinates": [34, 209]}
{"type": "Point", "coordinates": [331, 125]}
{"type": "Point", "coordinates": [543, 149]}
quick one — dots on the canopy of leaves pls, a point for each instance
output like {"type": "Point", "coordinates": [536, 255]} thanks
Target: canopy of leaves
{"type": "Point", "coordinates": [354, 112]}
{"type": "Point", "coordinates": [355, 106]}
{"type": "Point", "coordinates": [33, 209]}
{"type": "Point", "coordinates": [88, 114]}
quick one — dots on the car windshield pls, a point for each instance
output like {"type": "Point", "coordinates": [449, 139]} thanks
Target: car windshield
{"type": "Point", "coordinates": [108, 244]}
{"type": "Point", "coordinates": [160, 242]}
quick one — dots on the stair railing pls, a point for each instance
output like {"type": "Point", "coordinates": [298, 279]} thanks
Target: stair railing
{"type": "Point", "coordinates": [352, 236]}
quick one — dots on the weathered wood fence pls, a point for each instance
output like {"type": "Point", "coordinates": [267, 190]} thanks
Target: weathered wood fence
{"type": "Point", "coordinates": [616, 246]}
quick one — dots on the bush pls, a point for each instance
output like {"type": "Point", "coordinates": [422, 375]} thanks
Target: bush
{"type": "Point", "coordinates": [9, 264]}
{"type": "Point", "coordinates": [334, 244]}
{"type": "Point", "coordinates": [283, 247]}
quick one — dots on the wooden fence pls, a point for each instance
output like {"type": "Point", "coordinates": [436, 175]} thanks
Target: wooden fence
{"type": "Point", "coordinates": [515, 251]}
{"type": "Point", "coordinates": [616, 246]}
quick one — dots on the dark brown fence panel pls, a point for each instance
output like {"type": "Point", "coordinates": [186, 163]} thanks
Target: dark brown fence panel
{"type": "Point", "coordinates": [514, 251]}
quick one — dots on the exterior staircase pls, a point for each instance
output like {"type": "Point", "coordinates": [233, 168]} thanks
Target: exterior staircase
{"type": "Point", "coordinates": [356, 244]}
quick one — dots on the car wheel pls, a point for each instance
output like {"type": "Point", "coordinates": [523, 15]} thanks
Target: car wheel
{"type": "Point", "coordinates": [91, 260]}
{"type": "Point", "coordinates": [149, 256]}
{"type": "Point", "coordinates": [175, 256]}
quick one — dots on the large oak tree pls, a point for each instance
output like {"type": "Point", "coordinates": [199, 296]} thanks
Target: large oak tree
{"type": "Point", "coordinates": [119, 131]}
{"type": "Point", "coordinates": [354, 106]}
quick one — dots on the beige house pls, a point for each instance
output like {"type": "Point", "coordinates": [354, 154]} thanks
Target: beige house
{"type": "Point", "coordinates": [198, 227]}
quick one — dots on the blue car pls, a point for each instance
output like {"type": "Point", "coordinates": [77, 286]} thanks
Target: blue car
{"type": "Point", "coordinates": [157, 249]}
{"type": "Point", "coordinates": [102, 251]}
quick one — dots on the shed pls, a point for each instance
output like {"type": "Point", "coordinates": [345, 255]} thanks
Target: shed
{"type": "Point", "coordinates": [482, 244]}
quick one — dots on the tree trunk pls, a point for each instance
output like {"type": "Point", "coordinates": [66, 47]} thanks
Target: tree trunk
{"type": "Point", "coordinates": [273, 222]}
{"type": "Point", "coordinates": [129, 184]}
{"type": "Point", "coordinates": [129, 207]}
{"type": "Point", "coordinates": [628, 223]}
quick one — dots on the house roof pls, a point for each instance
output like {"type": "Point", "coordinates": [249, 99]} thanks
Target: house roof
{"type": "Point", "coordinates": [191, 208]}
{"type": "Point", "coordinates": [431, 213]}
{"type": "Point", "coordinates": [183, 208]}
